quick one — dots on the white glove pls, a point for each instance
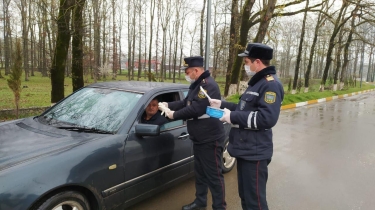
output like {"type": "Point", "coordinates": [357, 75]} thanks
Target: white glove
{"type": "Point", "coordinates": [169, 114]}
{"type": "Point", "coordinates": [215, 103]}
{"type": "Point", "coordinates": [226, 116]}
{"type": "Point", "coordinates": [163, 108]}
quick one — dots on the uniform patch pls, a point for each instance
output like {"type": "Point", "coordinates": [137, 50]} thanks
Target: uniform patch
{"type": "Point", "coordinates": [269, 78]}
{"type": "Point", "coordinates": [201, 94]}
{"type": "Point", "coordinates": [270, 97]}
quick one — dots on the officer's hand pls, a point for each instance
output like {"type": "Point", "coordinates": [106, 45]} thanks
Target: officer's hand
{"type": "Point", "coordinates": [163, 108]}
{"type": "Point", "coordinates": [226, 116]}
{"type": "Point", "coordinates": [215, 103]}
{"type": "Point", "coordinates": [169, 114]}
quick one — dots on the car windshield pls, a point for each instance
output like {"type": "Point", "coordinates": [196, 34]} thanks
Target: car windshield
{"type": "Point", "coordinates": [96, 108]}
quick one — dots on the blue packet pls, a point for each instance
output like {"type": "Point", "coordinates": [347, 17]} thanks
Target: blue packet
{"type": "Point", "coordinates": [214, 112]}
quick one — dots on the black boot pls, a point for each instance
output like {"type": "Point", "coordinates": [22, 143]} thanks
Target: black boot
{"type": "Point", "coordinates": [193, 206]}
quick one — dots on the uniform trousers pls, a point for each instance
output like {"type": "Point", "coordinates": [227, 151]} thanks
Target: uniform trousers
{"type": "Point", "coordinates": [252, 180]}
{"type": "Point", "coordinates": [208, 174]}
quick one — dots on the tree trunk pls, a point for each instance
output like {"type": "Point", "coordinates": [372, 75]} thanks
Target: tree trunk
{"type": "Point", "coordinates": [77, 46]}
{"type": "Point", "coordinates": [61, 51]}
{"type": "Point", "coordinates": [7, 36]}
{"type": "Point", "coordinates": [338, 24]}
{"type": "Point", "coordinates": [298, 62]}
{"type": "Point", "coordinates": [312, 51]}
{"type": "Point", "coordinates": [96, 11]}
{"type": "Point", "coordinates": [346, 51]}
{"type": "Point", "coordinates": [150, 44]}
{"type": "Point", "coordinates": [25, 48]}
{"type": "Point", "coordinates": [265, 19]}
{"type": "Point", "coordinates": [140, 43]}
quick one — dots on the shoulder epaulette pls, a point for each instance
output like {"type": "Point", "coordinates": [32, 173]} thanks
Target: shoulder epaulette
{"type": "Point", "coordinates": [269, 78]}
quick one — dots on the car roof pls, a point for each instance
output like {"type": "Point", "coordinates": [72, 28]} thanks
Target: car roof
{"type": "Point", "coordinates": [139, 86]}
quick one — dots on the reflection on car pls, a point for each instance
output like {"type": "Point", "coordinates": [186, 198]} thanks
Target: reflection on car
{"type": "Point", "coordinates": [90, 151]}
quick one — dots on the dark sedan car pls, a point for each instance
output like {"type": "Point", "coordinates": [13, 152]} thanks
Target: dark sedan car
{"type": "Point", "coordinates": [90, 150]}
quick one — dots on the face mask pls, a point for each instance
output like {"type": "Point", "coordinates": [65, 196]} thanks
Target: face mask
{"type": "Point", "coordinates": [189, 79]}
{"type": "Point", "coordinates": [248, 71]}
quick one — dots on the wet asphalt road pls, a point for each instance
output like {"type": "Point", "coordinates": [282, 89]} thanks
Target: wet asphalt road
{"type": "Point", "coordinates": [324, 159]}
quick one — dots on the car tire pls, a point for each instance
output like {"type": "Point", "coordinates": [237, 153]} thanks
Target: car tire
{"type": "Point", "coordinates": [67, 200]}
{"type": "Point", "coordinates": [228, 161]}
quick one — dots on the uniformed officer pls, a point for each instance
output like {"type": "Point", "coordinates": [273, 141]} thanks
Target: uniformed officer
{"type": "Point", "coordinates": [207, 134]}
{"type": "Point", "coordinates": [252, 119]}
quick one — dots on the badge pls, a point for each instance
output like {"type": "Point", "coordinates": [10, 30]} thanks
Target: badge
{"type": "Point", "coordinates": [188, 103]}
{"type": "Point", "coordinates": [270, 97]}
{"type": "Point", "coordinates": [201, 94]}
{"type": "Point", "coordinates": [269, 78]}
{"type": "Point", "coordinates": [242, 104]}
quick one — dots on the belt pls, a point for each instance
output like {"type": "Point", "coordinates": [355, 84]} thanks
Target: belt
{"type": "Point", "coordinates": [237, 126]}
{"type": "Point", "coordinates": [200, 117]}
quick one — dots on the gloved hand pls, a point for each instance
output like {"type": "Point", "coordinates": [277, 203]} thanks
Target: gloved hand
{"type": "Point", "coordinates": [215, 103]}
{"type": "Point", "coordinates": [169, 114]}
{"type": "Point", "coordinates": [226, 116]}
{"type": "Point", "coordinates": [163, 107]}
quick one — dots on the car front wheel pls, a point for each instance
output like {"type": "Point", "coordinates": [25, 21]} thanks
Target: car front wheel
{"type": "Point", "coordinates": [67, 200]}
{"type": "Point", "coordinates": [228, 161]}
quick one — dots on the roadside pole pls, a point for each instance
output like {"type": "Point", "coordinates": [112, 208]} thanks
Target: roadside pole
{"type": "Point", "coordinates": [208, 31]}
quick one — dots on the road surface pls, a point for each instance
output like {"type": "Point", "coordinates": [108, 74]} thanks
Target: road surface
{"type": "Point", "coordinates": [324, 159]}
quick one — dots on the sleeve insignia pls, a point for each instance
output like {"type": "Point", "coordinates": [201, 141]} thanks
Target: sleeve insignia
{"type": "Point", "coordinates": [201, 94]}
{"type": "Point", "coordinates": [269, 78]}
{"type": "Point", "coordinates": [270, 97]}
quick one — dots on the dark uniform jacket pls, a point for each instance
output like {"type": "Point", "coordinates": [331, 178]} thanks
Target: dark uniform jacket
{"type": "Point", "coordinates": [200, 126]}
{"type": "Point", "coordinates": [156, 119]}
{"type": "Point", "coordinates": [253, 117]}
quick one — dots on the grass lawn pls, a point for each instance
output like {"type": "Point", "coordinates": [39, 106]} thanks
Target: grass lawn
{"type": "Point", "coordinates": [36, 91]}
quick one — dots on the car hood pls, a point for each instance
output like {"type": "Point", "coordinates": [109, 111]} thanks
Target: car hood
{"type": "Point", "coordinates": [26, 139]}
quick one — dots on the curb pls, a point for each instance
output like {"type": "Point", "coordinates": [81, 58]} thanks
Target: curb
{"type": "Point", "coordinates": [315, 101]}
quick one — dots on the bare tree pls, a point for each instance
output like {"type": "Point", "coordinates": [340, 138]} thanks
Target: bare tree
{"type": "Point", "coordinates": [7, 36]}
{"type": "Point", "coordinates": [77, 45]}
{"type": "Point", "coordinates": [61, 51]}
{"type": "Point", "coordinates": [250, 19]}
{"type": "Point", "coordinates": [297, 68]}
{"type": "Point", "coordinates": [340, 21]}
{"type": "Point", "coordinates": [152, 12]}
{"type": "Point", "coordinates": [320, 19]}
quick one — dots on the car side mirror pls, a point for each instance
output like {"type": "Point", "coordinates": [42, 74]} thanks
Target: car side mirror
{"type": "Point", "coordinates": [147, 130]}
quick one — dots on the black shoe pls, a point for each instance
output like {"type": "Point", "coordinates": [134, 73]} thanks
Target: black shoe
{"type": "Point", "coordinates": [193, 206]}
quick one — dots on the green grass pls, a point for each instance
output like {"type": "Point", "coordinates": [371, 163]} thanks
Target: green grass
{"type": "Point", "coordinates": [38, 91]}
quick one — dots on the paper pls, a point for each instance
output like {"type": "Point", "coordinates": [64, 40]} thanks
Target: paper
{"type": "Point", "coordinates": [204, 92]}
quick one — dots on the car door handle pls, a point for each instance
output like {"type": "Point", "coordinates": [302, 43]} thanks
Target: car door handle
{"type": "Point", "coordinates": [183, 136]}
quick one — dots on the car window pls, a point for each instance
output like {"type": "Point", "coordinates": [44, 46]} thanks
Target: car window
{"type": "Point", "coordinates": [168, 97]}
{"type": "Point", "coordinates": [171, 125]}
{"type": "Point", "coordinates": [98, 108]}
{"type": "Point", "coordinates": [185, 93]}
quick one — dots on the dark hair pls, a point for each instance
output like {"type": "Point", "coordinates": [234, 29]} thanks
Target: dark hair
{"type": "Point", "coordinates": [265, 62]}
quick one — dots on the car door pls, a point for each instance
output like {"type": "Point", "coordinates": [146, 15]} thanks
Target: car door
{"type": "Point", "coordinates": [155, 161]}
